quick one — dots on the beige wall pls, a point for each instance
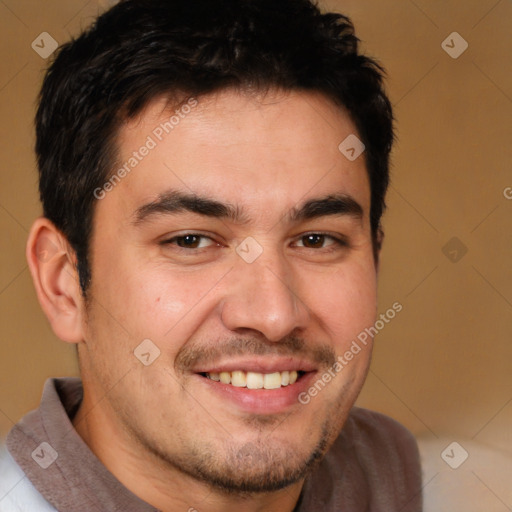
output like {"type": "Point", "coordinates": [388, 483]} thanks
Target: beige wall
{"type": "Point", "coordinates": [443, 365]}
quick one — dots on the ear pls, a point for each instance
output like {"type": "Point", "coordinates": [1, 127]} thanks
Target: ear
{"type": "Point", "coordinates": [52, 265]}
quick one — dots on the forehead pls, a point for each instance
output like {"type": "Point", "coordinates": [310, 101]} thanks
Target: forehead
{"type": "Point", "coordinates": [263, 150]}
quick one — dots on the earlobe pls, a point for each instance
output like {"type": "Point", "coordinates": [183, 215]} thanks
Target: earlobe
{"type": "Point", "coordinates": [51, 262]}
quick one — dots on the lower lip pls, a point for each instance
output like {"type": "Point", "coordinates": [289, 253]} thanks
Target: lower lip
{"type": "Point", "coordinates": [261, 401]}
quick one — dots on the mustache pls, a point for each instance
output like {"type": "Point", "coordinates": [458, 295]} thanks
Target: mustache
{"type": "Point", "coordinates": [292, 346]}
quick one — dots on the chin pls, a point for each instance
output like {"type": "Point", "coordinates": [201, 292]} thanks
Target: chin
{"type": "Point", "coordinates": [259, 468]}
{"type": "Point", "coordinates": [248, 467]}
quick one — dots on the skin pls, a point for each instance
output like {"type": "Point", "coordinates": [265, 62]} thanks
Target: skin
{"type": "Point", "coordinates": [163, 430]}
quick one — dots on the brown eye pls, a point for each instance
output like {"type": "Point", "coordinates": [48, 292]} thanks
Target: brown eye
{"type": "Point", "coordinates": [319, 241]}
{"type": "Point", "coordinates": [190, 241]}
{"type": "Point", "coordinates": [314, 241]}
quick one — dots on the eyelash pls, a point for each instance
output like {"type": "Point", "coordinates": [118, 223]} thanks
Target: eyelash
{"type": "Point", "coordinates": [338, 241]}
{"type": "Point", "coordinates": [171, 241]}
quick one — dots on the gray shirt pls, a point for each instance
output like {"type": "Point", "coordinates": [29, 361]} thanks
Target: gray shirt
{"type": "Point", "coordinates": [373, 466]}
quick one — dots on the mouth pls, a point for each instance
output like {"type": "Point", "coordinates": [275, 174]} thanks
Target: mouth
{"type": "Point", "coordinates": [256, 380]}
{"type": "Point", "coordinates": [258, 386]}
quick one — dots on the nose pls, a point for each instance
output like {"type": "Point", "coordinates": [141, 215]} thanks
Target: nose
{"type": "Point", "coordinates": [264, 296]}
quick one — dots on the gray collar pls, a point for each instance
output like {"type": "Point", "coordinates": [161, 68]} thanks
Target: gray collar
{"type": "Point", "coordinates": [75, 480]}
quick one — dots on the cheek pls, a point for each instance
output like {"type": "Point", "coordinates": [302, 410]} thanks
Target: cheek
{"type": "Point", "coordinates": [158, 301]}
{"type": "Point", "coordinates": [346, 302]}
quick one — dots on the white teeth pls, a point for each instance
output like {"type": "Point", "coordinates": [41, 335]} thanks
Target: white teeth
{"type": "Point", "coordinates": [225, 377]}
{"type": "Point", "coordinates": [238, 379]}
{"type": "Point", "coordinates": [254, 380]}
{"type": "Point", "coordinates": [272, 380]}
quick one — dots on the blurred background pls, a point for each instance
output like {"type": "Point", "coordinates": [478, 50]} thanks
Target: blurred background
{"type": "Point", "coordinates": [443, 365]}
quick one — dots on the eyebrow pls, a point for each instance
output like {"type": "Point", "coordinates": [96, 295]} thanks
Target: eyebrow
{"type": "Point", "coordinates": [173, 202]}
{"type": "Point", "coordinates": [337, 204]}
{"type": "Point", "coordinates": [177, 202]}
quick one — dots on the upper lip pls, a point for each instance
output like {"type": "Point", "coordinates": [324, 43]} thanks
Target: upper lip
{"type": "Point", "coordinates": [259, 365]}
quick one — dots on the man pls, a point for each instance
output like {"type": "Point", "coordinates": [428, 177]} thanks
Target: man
{"type": "Point", "coordinates": [212, 176]}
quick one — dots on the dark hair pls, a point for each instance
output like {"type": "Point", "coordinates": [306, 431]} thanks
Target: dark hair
{"type": "Point", "coordinates": [141, 49]}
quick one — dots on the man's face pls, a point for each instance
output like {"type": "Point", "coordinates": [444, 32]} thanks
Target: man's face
{"type": "Point", "coordinates": [172, 263]}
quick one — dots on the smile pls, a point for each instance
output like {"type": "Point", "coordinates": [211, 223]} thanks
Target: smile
{"type": "Point", "coordinates": [255, 380]}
